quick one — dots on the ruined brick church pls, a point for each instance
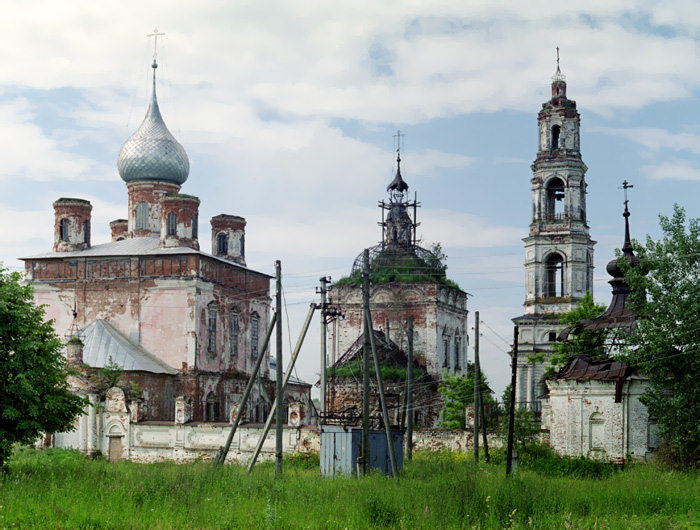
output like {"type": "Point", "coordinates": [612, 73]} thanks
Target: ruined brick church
{"type": "Point", "coordinates": [407, 280]}
{"type": "Point", "coordinates": [185, 326]}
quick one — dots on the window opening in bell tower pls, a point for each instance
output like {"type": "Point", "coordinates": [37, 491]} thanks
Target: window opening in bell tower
{"type": "Point", "coordinates": [555, 137]}
{"type": "Point", "coordinates": [555, 195]}
{"type": "Point", "coordinates": [554, 284]}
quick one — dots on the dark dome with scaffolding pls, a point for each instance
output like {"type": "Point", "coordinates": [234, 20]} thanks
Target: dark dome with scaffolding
{"type": "Point", "coordinates": [400, 263]}
{"type": "Point", "coordinates": [399, 258]}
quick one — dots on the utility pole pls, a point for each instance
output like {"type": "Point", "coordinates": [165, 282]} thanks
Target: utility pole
{"type": "Point", "coordinates": [287, 375]}
{"type": "Point", "coordinates": [223, 451]}
{"type": "Point", "coordinates": [477, 388]}
{"type": "Point", "coordinates": [487, 458]}
{"type": "Point", "coordinates": [324, 357]}
{"type": "Point", "coordinates": [365, 365]}
{"type": "Point", "coordinates": [278, 372]}
{"type": "Point", "coordinates": [511, 413]}
{"type": "Point", "coordinates": [382, 398]}
{"type": "Point", "coordinates": [409, 394]}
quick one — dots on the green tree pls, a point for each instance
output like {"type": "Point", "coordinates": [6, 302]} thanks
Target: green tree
{"type": "Point", "coordinates": [587, 342]}
{"type": "Point", "coordinates": [525, 428]}
{"type": "Point", "coordinates": [457, 394]}
{"type": "Point", "coordinates": [34, 394]}
{"type": "Point", "coordinates": [666, 344]}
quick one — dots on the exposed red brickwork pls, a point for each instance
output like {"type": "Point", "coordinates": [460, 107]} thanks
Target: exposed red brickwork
{"type": "Point", "coordinates": [151, 193]}
{"type": "Point", "coordinates": [346, 394]}
{"type": "Point", "coordinates": [71, 224]}
{"type": "Point", "coordinates": [119, 228]}
{"type": "Point", "coordinates": [233, 227]}
{"type": "Point", "coordinates": [186, 210]}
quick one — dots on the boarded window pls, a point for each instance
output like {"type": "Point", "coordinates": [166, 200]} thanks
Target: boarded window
{"type": "Point", "coordinates": [63, 228]}
{"type": "Point", "coordinates": [195, 227]}
{"type": "Point", "coordinates": [221, 244]}
{"type": "Point", "coordinates": [171, 224]}
{"type": "Point", "coordinates": [211, 329]}
{"type": "Point", "coordinates": [234, 333]}
{"type": "Point", "coordinates": [254, 334]}
{"type": "Point", "coordinates": [211, 412]}
{"type": "Point", "coordinates": [142, 216]}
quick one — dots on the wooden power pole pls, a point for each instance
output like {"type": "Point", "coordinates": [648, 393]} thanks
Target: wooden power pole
{"type": "Point", "coordinates": [409, 393]}
{"type": "Point", "coordinates": [278, 372]}
{"type": "Point", "coordinates": [324, 357]}
{"type": "Point", "coordinates": [511, 412]}
{"type": "Point", "coordinates": [477, 388]}
{"type": "Point", "coordinates": [365, 365]}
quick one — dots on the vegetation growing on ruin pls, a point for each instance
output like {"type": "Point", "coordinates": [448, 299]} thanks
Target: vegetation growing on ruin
{"type": "Point", "coordinates": [404, 266]}
{"type": "Point", "coordinates": [390, 372]}
{"type": "Point", "coordinates": [62, 489]}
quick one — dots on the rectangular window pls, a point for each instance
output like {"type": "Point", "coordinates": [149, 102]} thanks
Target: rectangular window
{"type": "Point", "coordinates": [142, 216]}
{"type": "Point", "coordinates": [234, 334]}
{"type": "Point", "coordinates": [446, 344]}
{"type": "Point", "coordinates": [254, 325]}
{"type": "Point", "coordinates": [171, 224]}
{"type": "Point", "coordinates": [211, 342]}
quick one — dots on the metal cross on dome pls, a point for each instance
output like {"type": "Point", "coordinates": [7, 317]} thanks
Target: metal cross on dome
{"type": "Point", "coordinates": [155, 36]}
{"type": "Point", "coordinates": [398, 137]}
{"type": "Point", "coordinates": [625, 186]}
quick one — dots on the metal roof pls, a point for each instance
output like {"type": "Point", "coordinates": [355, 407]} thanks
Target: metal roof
{"type": "Point", "coordinates": [134, 246]}
{"type": "Point", "coordinates": [105, 344]}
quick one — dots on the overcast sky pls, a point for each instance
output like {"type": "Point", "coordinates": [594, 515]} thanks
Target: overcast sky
{"type": "Point", "coordinates": [287, 111]}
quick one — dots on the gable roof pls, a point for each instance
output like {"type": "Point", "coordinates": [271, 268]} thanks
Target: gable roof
{"type": "Point", "coordinates": [103, 342]}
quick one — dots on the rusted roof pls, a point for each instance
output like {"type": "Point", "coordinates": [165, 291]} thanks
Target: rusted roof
{"type": "Point", "coordinates": [583, 368]}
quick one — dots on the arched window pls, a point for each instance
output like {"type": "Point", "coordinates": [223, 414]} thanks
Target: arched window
{"type": "Point", "coordinates": [233, 329]}
{"type": "Point", "coordinates": [63, 227]}
{"type": "Point", "coordinates": [195, 227]}
{"type": "Point", "coordinates": [254, 335]}
{"type": "Point", "coordinates": [446, 348]}
{"type": "Point", "coordinates": [458, 349]}
{"type": "Point", "coordinates": [171, 224]}
{"type": "Point", "coordinates": [211, 411]}
{"type": "Point", "coordinates": [554, 280]}
{"type": "Point", "coordinates": [589, 272]}
{"type": "Point", "coordinates": [211, 327]}
{"type": "Point", "coordinates": [556, 130]}
{"type": "Point", "coordinates": [221, 244]}
{"type": "Point", "coordinates": [86, 231]}
{"type": "Point", "coordinates": [555, 194]}
{"type": "Point", "coordinates": [142, 216]}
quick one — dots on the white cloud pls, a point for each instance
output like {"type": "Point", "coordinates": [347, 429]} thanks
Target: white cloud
{"type": "Point", "coordinates": [655, 139]}
{"type": "Point", "coordinates": [672, 170]}
{"type": "Point", "coordinates": [28, 153]}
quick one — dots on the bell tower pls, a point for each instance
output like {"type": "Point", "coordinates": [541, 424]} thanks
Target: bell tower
{"type": "Point", "coordinates": [558, 248]}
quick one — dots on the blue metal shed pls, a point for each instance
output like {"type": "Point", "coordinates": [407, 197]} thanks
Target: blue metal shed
{"type": "Point", "coordinates": [341, 446]}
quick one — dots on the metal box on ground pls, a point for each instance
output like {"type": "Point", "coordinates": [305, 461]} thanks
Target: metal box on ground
{"type": "Point", "coordinates": [341, 447]}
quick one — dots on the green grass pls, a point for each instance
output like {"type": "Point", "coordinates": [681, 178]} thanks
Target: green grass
{"type": "Point", "coordinates": [58, 488]}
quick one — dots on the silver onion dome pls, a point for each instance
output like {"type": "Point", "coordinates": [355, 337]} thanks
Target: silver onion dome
{"type": "Point", "coordinates": [152, 152]}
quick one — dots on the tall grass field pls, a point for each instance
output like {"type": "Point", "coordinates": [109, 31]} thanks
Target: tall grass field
{"type": "Point", "coordinates": [62, 489]}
